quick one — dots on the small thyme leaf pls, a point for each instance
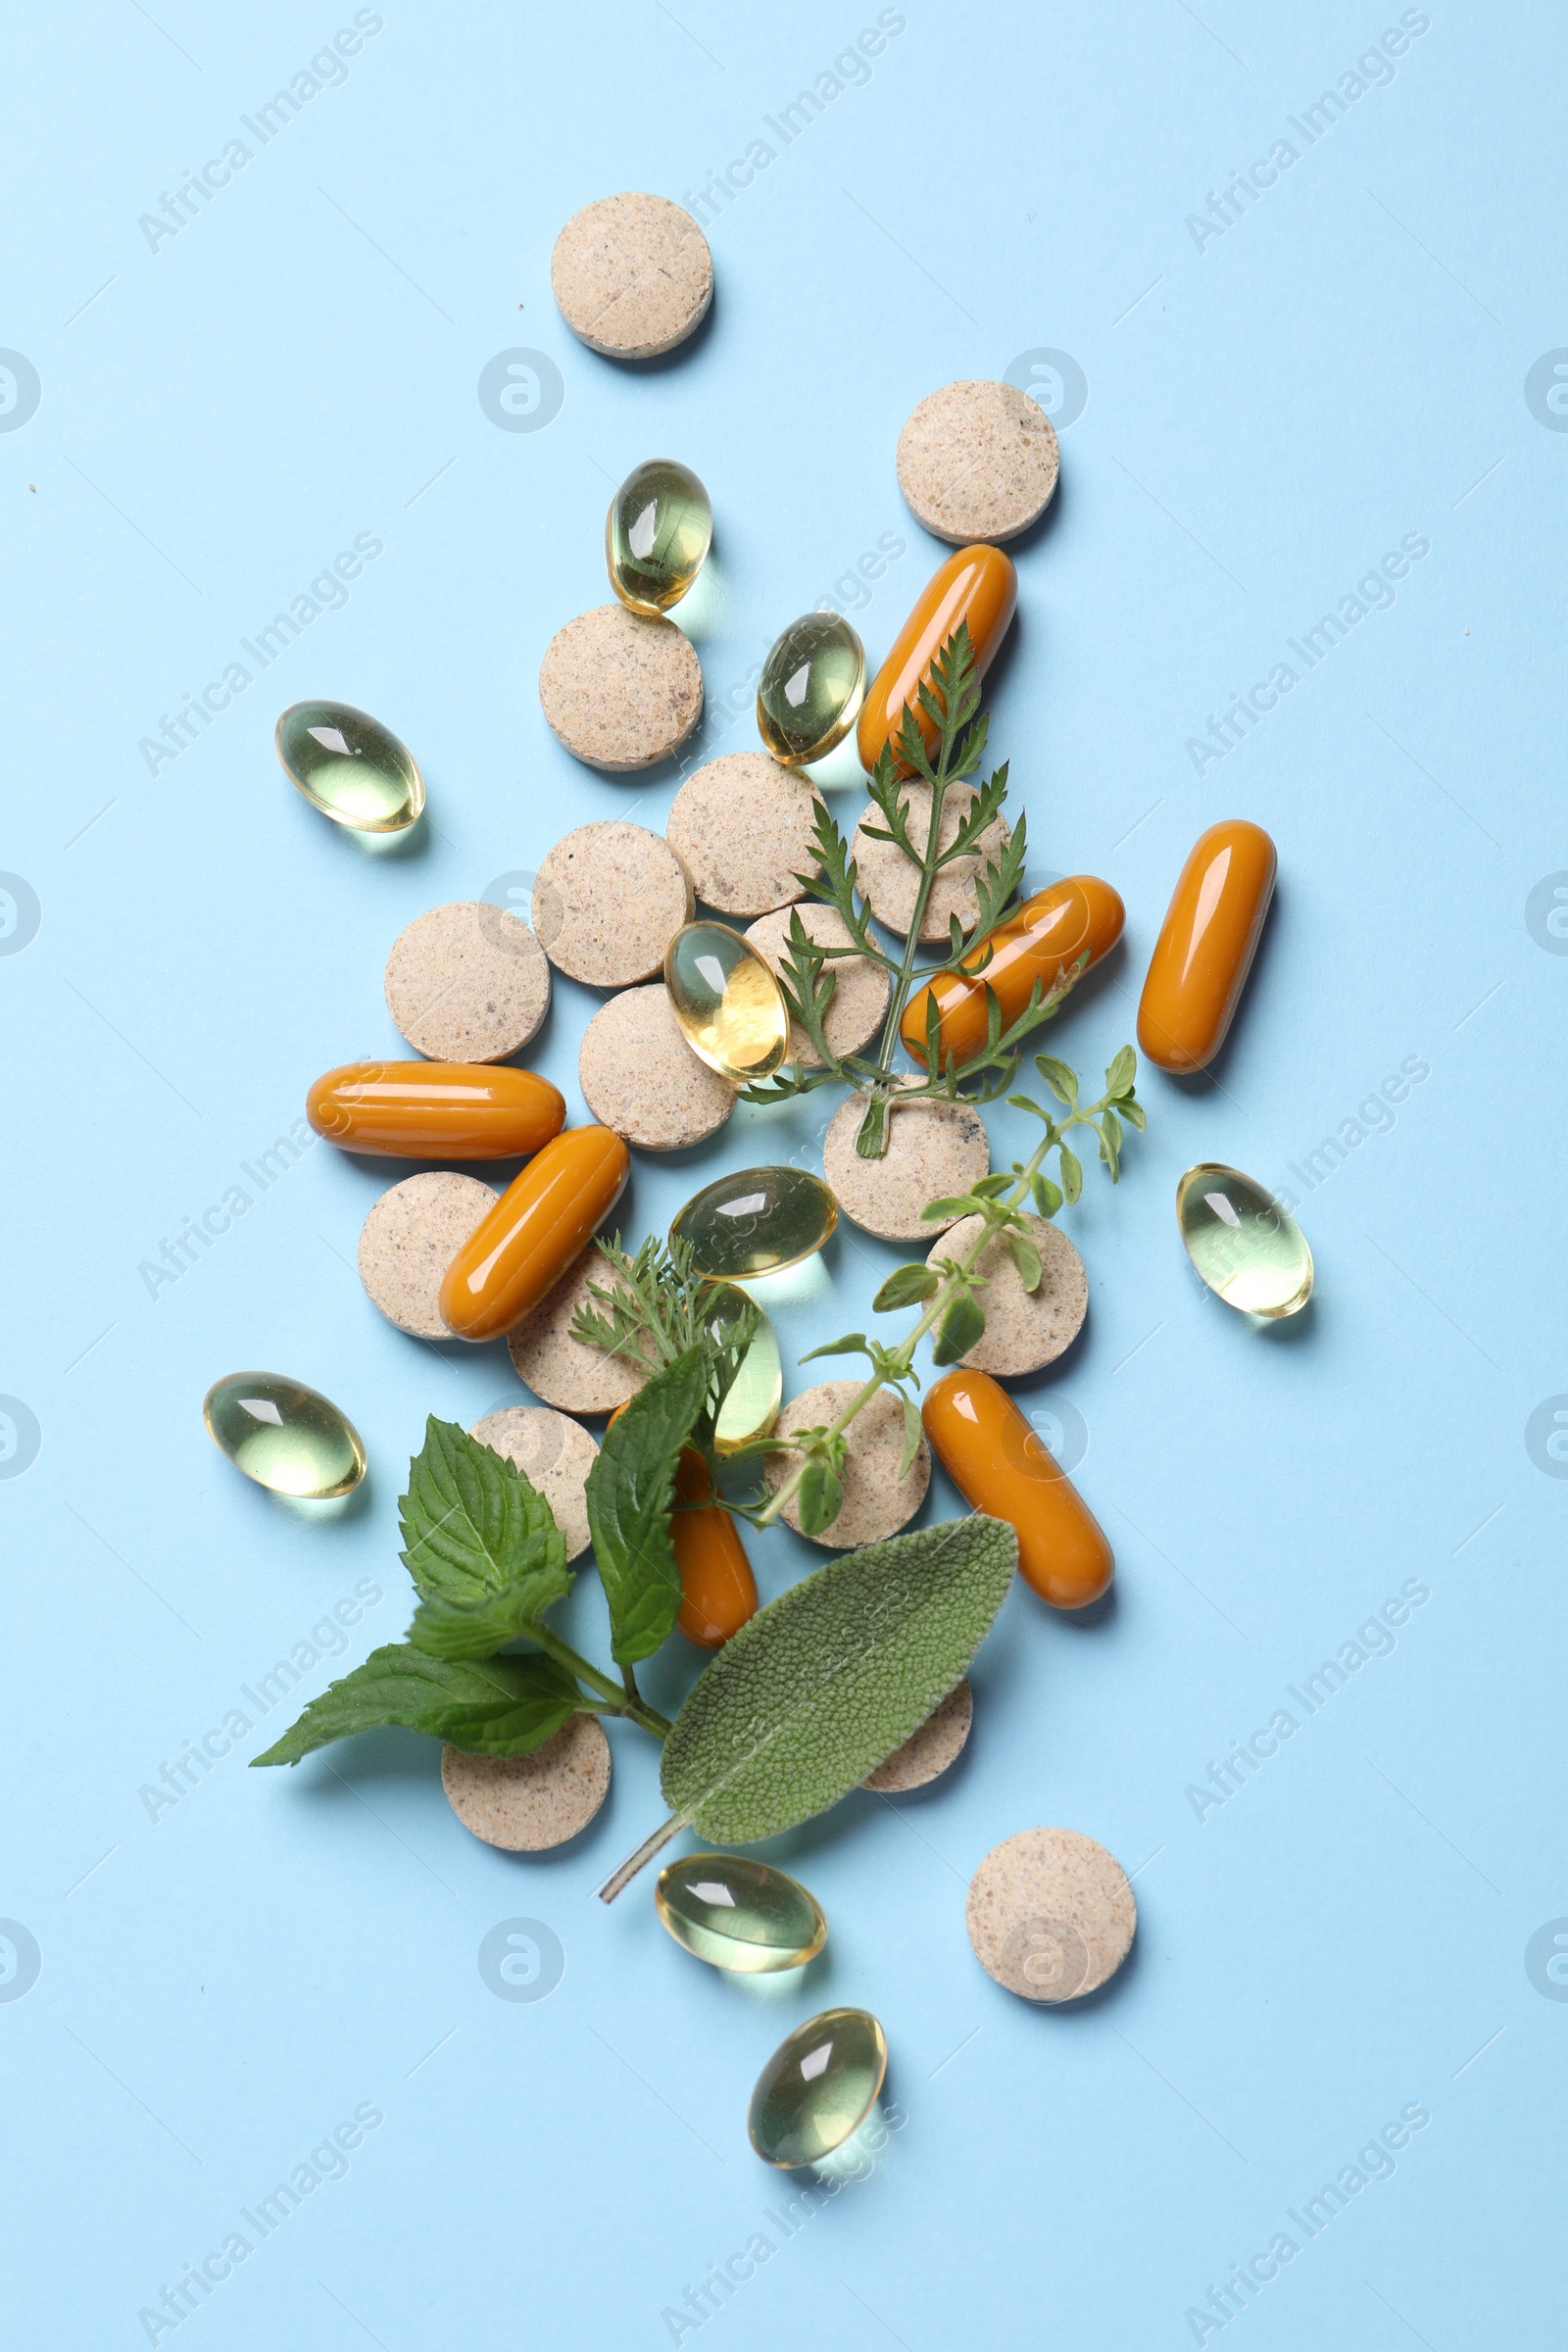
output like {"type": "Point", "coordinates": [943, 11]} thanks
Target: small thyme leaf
{"type": "Point", "coordinates": [905, 1286]}
{"type": "Point", "coordinates": [913, 1431]}
{"type": "Point", "coordinates": [1072, 1176]}
{"type": "Point", "coordinates": [821, 1498]}
{"type": "Point", "coordinates": [959, 1328]}
{"type": "Point", "coordinates": [1026, 1257]}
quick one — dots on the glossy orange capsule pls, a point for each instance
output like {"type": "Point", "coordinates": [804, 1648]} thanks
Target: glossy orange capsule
{"type": "Point", "coordinates": [518, 1252]}
{"type": "Point", "coordinates": [436, 1109]}
{"type": "Point", "coordinates": [999, 1465]}
{"type": "Point", "coordinates": [1206, 947]}
{"type": "Point", "coordinates": [1044, 938]}
{"type": "Point", "coordinates": [979, 585]}
{"type": "Point", "coordinates": [718, 1590]}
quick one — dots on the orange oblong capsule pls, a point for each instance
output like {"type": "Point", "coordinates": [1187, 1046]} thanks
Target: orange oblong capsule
{"type": "Point", "coordinates": [999, 1465]}
{"type": "Point", "coordinates": [718, 1587]}
{"type": "Point", "coordinates": [436, 1109]}
{"type": "Point", "coordinates": [1043, 940]}
{"type": "Point", "coordinates": [1206, 947]}
{"type": "Point", "coordinates": [978, 585]}
{"type": "Point", "coordinates": [515, 1257]}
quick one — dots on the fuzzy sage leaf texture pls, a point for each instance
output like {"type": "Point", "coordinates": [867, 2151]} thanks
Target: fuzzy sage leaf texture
{"type": "Point", "coordinates": [824, 1683]}
{"type": "Point", "coordinates": [630, 1489]}
{"type": "Point", "coordinates": [492, 1707]}
{"type": "Point", "coordinates": [474, 1530]}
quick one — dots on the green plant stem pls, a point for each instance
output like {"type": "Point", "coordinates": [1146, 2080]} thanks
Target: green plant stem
{"type": "Point", "coordinates": [904, 1356]}
{"type": "Point", "coordinates": [872, 1140]}
{"type": "Point", "coordinates": [618, 1699]}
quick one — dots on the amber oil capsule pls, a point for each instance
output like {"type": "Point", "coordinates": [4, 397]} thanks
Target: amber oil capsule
{"type": "Point", "coordinates": [1041, 941]}
{"type": "Point", "coordinates": [718, 1590]}
{"type": "Point", "coordinates": [1206, 947]}
{"type": "Point", "coordinates": [999, 1465]}
{"type": "Point", "coordinates": [436, 1109]}
{"type": "Point", "coordinates": [515, 1257]}
{"type": "Point", "coordinates": [978, 585]}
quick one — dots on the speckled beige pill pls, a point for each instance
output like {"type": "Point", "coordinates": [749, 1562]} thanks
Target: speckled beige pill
{"type": "Point", "coordinates": [1051, 1914]}
{"type": "Point", "coordinates": [607, 900]}
{"type": "Point", "coordinates": [467, 982]}
{"type": "Point", "coordinates": [1024, 1330]}
{"type": "Point", "coordinates": [927, 1753]}
{"type": "Point", "coordinates": [935, 1151]}
{"type": "Point", "coordinates": [632, 275]}
{"type": "Point", "coordinates": [640, 1078]}
{"type": "Point", "coordinates": [620, 690]}
{"type": "Point", "coordinates": [978, 461]}
{"type": "Point", "coordinates": [889, 881]}
{"type": "Point", "coordinates": [563, 1371]}
{"type": "Point", "coordinates": [410, 1238]}
{"type": "Point", "coordinates": [554, 1455]}
{"type": "Point", "coordinates": [527, 1803]}
{"type": "Point", "coordinates": [741, 826]}
{"type": "Point", "coordinates": [877, 1502]}
{"type": "Point", "coordinates": [860, 988]}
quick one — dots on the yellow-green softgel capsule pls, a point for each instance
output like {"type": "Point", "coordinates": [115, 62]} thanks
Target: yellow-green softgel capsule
{"type": "Point", "coordinates": [657, 535]}
{"type": "Point", "coordinates": [1246, 1247]}
{"type": "Point", "coordinates": [351, 767]}
{"type": "Point", "coordinates": [811, 688]}
{"type": "Point", "coordinates": [818, 2087]}
{"type": "Point", "coordinates": [738, 1914]}
{"type": "Point", "coordinates": [284, 1435]}
{"type": "Point", "coordinates": [754, 1221]}
{"type": "Point", "coordinates": [751, 1408]}
{"type": "Point", "coordinates": [730, 1004]}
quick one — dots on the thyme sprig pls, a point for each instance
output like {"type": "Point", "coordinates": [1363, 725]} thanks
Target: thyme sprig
{"type": "Point", "coordinates": [655, 1308]}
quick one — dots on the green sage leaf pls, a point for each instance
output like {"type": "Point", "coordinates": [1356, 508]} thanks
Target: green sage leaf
{"type": "Point", "coordinates": [959, 1328]}
{"type": "Point", "coordinates": [829, 1678]}
{"type": "Point", "coordinates": [630, 1489]}
{"type": "Point", "coordinates": [474, 1529]}
{"type": "Point", "coordinates": [905, 1286]}
{"type": "Point", "coordinates": [492, 1707]}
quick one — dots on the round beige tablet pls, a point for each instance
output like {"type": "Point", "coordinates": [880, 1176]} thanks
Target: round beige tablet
{"type": "Point", "coordinates": [408, 1240]}
{"type": "Point", "coordinates": [640, 1077]}
{"type": "Point", "coordinates": [877, 1502]}
{"type": "Point", "coordinates": [620, 690]}
{"type": "Point", "coordinates": [527, 1803]}
{"type": "Point", "coordinates": [978, 461]}
{"type": "Point", "coordinates": [607, 900]}
{"type": "Point", "coordinates": [1024, 1329]}
{"type": "Point", "coordinates": [741, 826]}
{"type": "Point", "coordinates": [554, 1455]}
{"type": "Point", "coordinates": [467, 982]}
{"type": "Point", "coordinates": [1051, 1914]}
{"type": "Point", "coordinates": [566, 1372]}
{"type": "Point", "coordinates": [934, 1151]}
{"type": "Point", "coordinates": [929, 1751]}
{"type": "Point", "coordinates": [632, 275]}
{"type": "Point", "coordinates": [890, 880]}
{"type": "Point", "coordinates": [860, 988]}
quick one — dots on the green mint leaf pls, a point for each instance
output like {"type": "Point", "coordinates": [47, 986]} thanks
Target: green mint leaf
{"type": "Point", "coordinates": [474, 1528]}
{"type": "Point", "coordinates": [1072, 1176]}
{"type": "Point", "coordinates": [959, 1328]}
{"type": "Point", "coordinates": [1047, 1195]}
{"type": "Point", "coordinates": [905, 1286]}
{"type": "Point", "coordinates": [829, 1678]}
{"type": "Point", "coordinates": [630, 1488]}
{"type": "Point", "coordinates": [913, 1431]}
{"type": "Point", "coordinates": [494, 1707]}
{"type": "Point", "coordinates": [1059, 1076]}
{"type": "Point", "coordinates": [819, 1497]}
{"type": "Point", "coordinates": [1025, 1256]}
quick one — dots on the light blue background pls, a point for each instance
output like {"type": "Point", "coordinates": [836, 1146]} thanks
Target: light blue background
{"type": "Point", "coordinates": [1266, 417]}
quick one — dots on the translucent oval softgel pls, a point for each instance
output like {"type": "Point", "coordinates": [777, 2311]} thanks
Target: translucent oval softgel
{"type": "Point", "coordinates": [818, 2087]}
{"type": "Point", "coordinates": [657, 535]}
{"type": "Point", "coordinates": [350, 766]}
{"type": "Point", "coordinates": [738, 1914]}
{"type": "Point", "coordinates": [728, 1001]}
{"type": "Point", "coordinates": [286, 1436]}
{"type": "Point", "coordinates": [756, 1221]}
{"type": "Point", "coordinates": [1246, 1247]}
{"type": "Point", "coordinates": [811, 688]}
{"type": "Point", "coordinates": [751, 1408]}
